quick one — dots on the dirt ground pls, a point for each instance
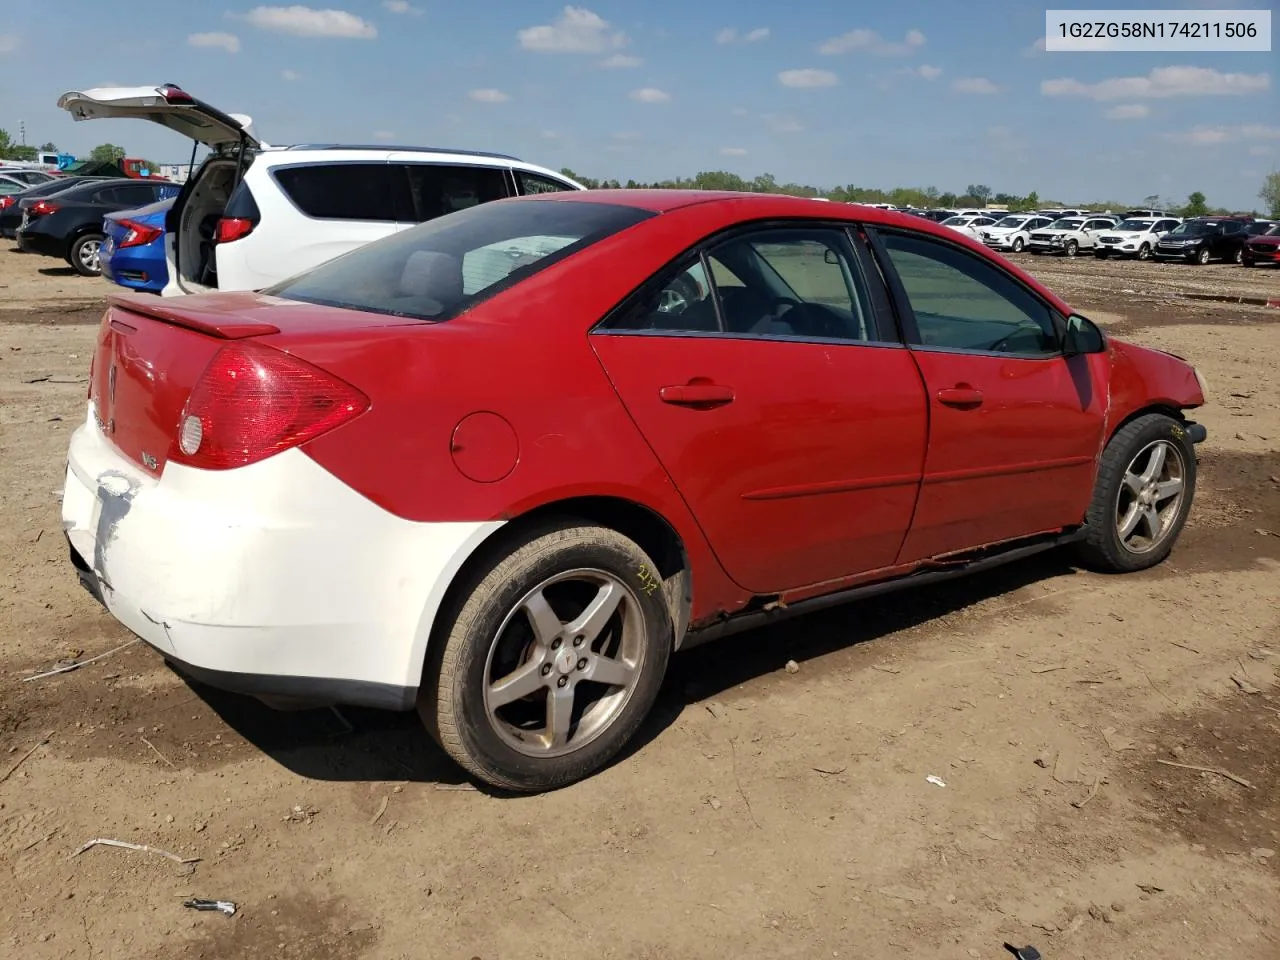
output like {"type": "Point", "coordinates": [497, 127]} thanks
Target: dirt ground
{"type": "Point", "coordinates": [764, 813]}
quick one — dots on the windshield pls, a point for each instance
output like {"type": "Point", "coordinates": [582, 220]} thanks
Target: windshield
{"type": "Point", "coordinates": [442, 267]}
{"type": "Point", "coordinates": [956, 221]}
{"type": "Point", "coordinates": [1192, 229]}
{"type": "Point", "coordinates": [1012, 222]}
{"type": "Point", "coordinates": [1135, 225]}
{"type": "Point", "coordinates": [1066, 224]}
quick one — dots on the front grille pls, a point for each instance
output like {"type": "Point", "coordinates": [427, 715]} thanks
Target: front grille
{"type": "Point", "coordinates": [1109, 239]}
{"type": "Point", "coordinates": [1042, 237]}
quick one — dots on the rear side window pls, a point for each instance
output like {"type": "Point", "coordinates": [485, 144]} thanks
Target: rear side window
{"type": "Point", "coordinates": [340, 191]}
{"type": "Point", "coordinates": [533, 183]}
{"type": "Point", "coordinates": [436, 189]}
{"type": "Point", "coordinates": [442, 267]}
{"type": "Point", "coordinates": [137, 193]}
{"type": "Point", "coordinates": [242, 205]}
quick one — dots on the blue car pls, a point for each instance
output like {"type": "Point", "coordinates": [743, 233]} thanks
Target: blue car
{"type": "Point", "coordinates": [132, 253]}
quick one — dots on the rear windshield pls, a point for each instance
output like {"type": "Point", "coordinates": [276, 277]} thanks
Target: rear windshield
{"type": "Point", "coordinates": [440, 268]}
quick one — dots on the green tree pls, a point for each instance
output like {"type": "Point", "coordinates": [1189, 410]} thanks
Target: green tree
{"type": "Point", "coordinates": [19, 151]}
{"type": "Point", "coordinates": [49, 147]}
{"type": "Point", "coordinates": [1196, 207]}
{"type": "Point", "coordinates": [980, 192]}
{"type": "Point", "coordinates": [107, 153]}
{"type": "Point", "coordinates": [6, 144]}
{"type": "Point", "coordinates": [1270, 193]}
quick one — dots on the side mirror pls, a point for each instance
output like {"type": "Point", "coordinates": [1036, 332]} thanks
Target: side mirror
{"type": "Point", "coordinates": [1082, 336]}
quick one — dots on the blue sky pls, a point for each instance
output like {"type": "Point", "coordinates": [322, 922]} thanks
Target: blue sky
{"type": "Point", "coordinates": [909, 93]}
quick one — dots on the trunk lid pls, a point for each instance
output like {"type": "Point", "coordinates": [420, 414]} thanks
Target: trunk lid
{"type": "Point", "coordinates": [151, 353]}
{"type": "Point", "coordinates": [166, 105]}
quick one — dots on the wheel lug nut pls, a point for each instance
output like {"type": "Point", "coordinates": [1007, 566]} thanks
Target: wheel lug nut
{"type": "Point", "coordinates": [577, 641]}
{"type": "Point", "coordinates": [546, 668]}
{"type": "Point", "coordinates": [562, 681]}
{"type": "Point", "coordinates": [555, 644]}
{"type": "Point", "coordinates": [582, 664]}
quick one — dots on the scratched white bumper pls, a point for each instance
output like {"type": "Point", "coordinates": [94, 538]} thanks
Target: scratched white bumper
{"type": "Point", "coordinates": [272, 572]}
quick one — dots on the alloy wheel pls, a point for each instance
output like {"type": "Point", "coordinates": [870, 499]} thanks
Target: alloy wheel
{"type": "Point", "coordinates": [1150, 496]}
{"type": "Point", "coordinates": [565, 661]}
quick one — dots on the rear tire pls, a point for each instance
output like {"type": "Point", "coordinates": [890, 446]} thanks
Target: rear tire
{"type": "Point", "coordinates": [1239, 257]}
{"type": "Point", "coordinates": [83, 255]}
{"type": "Point", "coordinates": [491, 694]}
{"type": "Point", "coordinates": [1139, 507]}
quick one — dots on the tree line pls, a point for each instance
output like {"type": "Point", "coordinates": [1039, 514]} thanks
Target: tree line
{"type": "Point", "coordinates": [974, 195]}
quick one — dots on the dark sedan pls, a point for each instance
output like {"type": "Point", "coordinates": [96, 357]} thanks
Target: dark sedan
{"type": "Point", "coordinates": [11, 204]}
{"type": "Point", "coordinates": [1204, 239]}
{"type": "Point", "coordinates": [68, 225]}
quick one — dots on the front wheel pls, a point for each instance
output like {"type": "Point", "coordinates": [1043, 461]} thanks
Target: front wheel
{"type": "Point", "coordinates": [83, 255]}
{"type": "Point", "coordinates": [553, 660]}
{"type": "Point", "coordinates": [1239, 257]}
{"type": "Point", "coordinates": [1203, 256]}
{"type": "Point", "coordinates": [1246, 262]}
{"type": "Point", "coordinates": [1072, 248]}
{"type": "Point", "coordinates": [1144, 252]}
{"type": "Point", "coordinates": [1018, 244]}
{"type": "Point", "coordinates": [1141, 498]}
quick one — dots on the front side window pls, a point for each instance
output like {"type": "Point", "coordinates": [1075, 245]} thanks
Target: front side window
{"type": "Point", "coordinates": [534, 183]}
{"type": "Point", "coordinates": [438, 269]}
{"type": "Point", "coordinates": [962, 303]}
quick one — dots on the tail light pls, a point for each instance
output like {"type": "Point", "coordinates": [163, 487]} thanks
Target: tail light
{"type": "Point", "coordinates": [42, 207]}
{"type": "Point", "coordinates": [137, 234]}
{"type": "Point", "coordinates": [233, 228]}
{"type": "Point", "coordinates": [253, 401]}
{"type": "Point", "coordinates": [6, 202]}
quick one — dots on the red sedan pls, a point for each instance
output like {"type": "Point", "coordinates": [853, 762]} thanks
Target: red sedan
{"type": "Point", "coordinates": [499, 466]}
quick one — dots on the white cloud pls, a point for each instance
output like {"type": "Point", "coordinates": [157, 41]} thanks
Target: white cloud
{"type": "Point", "coordinates": [731, 35]}
{"type": "Point", "coordinates": [383, 135]}
{"type": "Point", "coordinates": [808, 78]}
{"type": "Point", "coordinates": [1205, 136]}
{"type": "Point", "coordinates": [621, 61]}
{"type": "Point", "coordinates": [1128, 111]}
{"type": "Point", "coordinates": [549, 135]}
{"type": "Point", "coordinates": [649, 95]}
{"type": "Point", "coordinates": [733, 151]}
{"type": "Point", "coordinates": [220, 41]}
{"type": "Point", "coordinates": [303, 21]}
{"type": "Point", "coordinates": [578, 30]}
{"type": "Point", "coordinates": [1035, 49]}
{"type": "Point", "coordinates": [781, 123]}
{"type": "Point", "coordinates": [290, 75]}
{"type": "Point", "coordinates": [8, 43]}
{"type": "Point", "coordinates": [871, 42]}
{"type": "Point", "coordinates": [401, 7]}
{"type": "Point", "coordinates": [488, 95]}
{"type": "Point", "coordinates": [739, 111]}
{"type": "Point", "coordinates": [928, 72]}
{"type": "Point", "coordinates": [1161, 82]}
{"type": "Point", "coordinates": [977, 85]}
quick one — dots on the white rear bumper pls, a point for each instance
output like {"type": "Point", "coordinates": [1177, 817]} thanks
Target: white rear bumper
{"type": "Point", "coordinates": [274, 578]}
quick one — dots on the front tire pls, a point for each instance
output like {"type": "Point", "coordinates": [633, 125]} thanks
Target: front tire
{"type": "Point", "coordinates": [553, 660]}
{"type": "Point", "coordinates": [1018, 244]}
{"type": "Point", "coordinates": [1143, 493]}
{"type": "Point", "coordinates": [1239, 257]}
{"type": "Point", "coordinates": [83, 255]}
{"type": "Point", "coordinates": [1144, 252]}
{"type": "Point", "coordinates": [1203, 256]}
{"type": "Point", "coordinates": [1072, 248]}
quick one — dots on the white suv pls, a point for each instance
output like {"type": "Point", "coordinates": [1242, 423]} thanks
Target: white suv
{"type": "Point", "coordinates": [1013, 231]}
{"type": "Point", "coordinates": [253, 214]}
{"type": "Point", "coordinates": [1133, 237]}
{"type": "Point", "coordinates": [1070, 235]}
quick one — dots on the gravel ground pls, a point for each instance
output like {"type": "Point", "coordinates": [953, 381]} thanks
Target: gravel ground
{"type": "Point", "coordinates": [763, 814]}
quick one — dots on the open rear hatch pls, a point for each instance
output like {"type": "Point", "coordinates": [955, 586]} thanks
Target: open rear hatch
{"type": "Point", "coordinates": [166, 105]}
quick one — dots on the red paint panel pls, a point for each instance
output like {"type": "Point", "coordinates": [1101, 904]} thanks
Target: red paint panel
{"type": "Point", "coordinates": [809, 474]}
{"type": "Point", "coordinates": [484, 447]}
{"type": "Point", "coordinates": [1019, 462]}
{"type": "Point", "coordinates": [1142, 377]}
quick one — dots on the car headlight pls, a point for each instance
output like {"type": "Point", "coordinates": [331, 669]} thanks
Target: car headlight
{"type": "Point", "coordinates": [1204, 384]}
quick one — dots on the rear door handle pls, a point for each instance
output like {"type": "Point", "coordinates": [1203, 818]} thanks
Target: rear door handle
{"type": "Point", "coordinates": [959, 396]}
{"type": "Point", "coordinates": [697, 395]}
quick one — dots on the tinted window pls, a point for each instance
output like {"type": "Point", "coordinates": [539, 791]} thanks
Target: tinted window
{"type": "Point", "coordinates": [1233, 226]}
{"type": "Point", "coordinates": [442, 267]}
{"type": "Point", "coordinates": [137, 194]}
{"type": "Point", "coordinates": [772, 283]}
{"type": "Point", "coordinates": [532, 183]}
{"type": "Point", "coordinates": [340, 191]}
{"type": "Point", "coordinates": [436, 189]}
{"type": "Point", "coordinates": [963, 303]}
